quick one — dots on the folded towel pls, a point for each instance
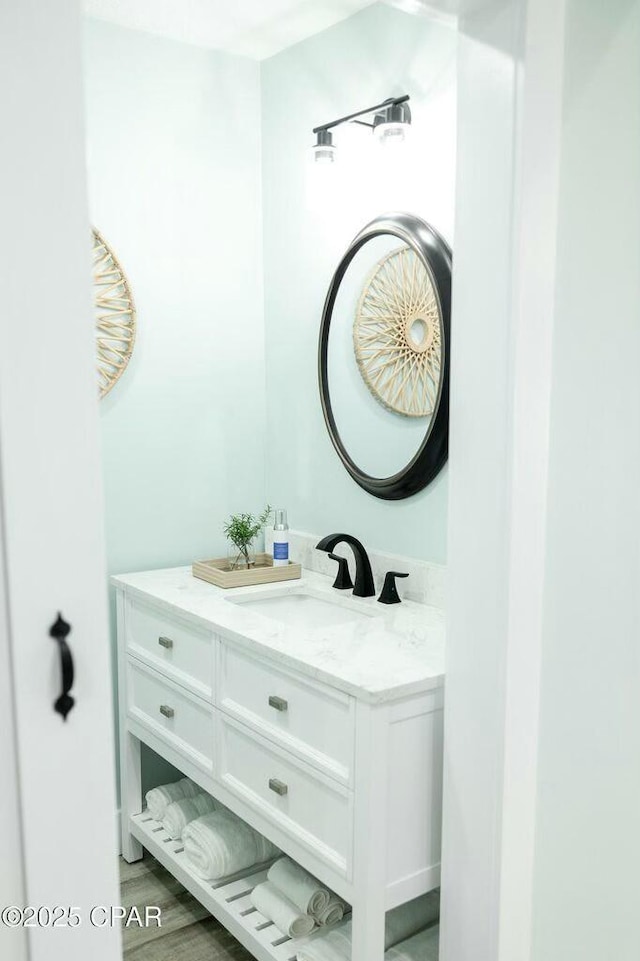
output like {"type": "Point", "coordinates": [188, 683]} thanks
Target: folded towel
{"type": "Point", "coordinates": [401, 923]}
{"type": "Point", "coordinates": [220, 844]}
{"type": "Point", "coordinates": [332, 945]}
{"type": "Point", "coordinates": [159, 798]}
{"type": "Point", "coordinates": [333, 912]}
{"type": "Point", "coordinates": [286, 916]}
{"type": "Point", "coordinates": [180, 813]}
{"type": "Point", "coordinates": [407, 919]}
{"type": "Point", "coordinates": [299, 886]}
{"type": "Point", "coordinates": [421, 947]}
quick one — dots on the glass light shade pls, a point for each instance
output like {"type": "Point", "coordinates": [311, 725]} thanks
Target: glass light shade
{"type": "Point", "coordinates": [324, 154]}
{"type": "Point", "coordinates": [392, 132]}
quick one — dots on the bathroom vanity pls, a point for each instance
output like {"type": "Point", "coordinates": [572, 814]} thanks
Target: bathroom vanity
{"type": "Point", "coordinates": [313, 715]}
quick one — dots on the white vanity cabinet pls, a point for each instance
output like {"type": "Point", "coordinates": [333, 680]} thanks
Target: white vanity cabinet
{"type": "Point", "coordinates": [345, 783]}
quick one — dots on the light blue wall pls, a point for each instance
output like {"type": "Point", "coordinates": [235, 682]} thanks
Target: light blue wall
{"type": "Point", "coordinates": [310, 215]}
{"type": "Point", "coordinates": [173, 134]}
{"type": "Point", "coordinates": [174, 171]}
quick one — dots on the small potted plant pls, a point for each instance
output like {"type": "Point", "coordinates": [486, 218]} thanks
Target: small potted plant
{"type": "Point", "coordinates": [241, 530]}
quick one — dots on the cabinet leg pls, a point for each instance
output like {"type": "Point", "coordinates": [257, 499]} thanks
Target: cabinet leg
{"type": "Point", "coordinates": [370, 837]}
{"type": "Point", "coordinates": [367, 933]}
{"type": "Point", "coordinates": [131, 799]}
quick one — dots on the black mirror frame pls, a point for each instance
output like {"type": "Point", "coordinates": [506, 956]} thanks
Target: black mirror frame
{"type": "Point", "coordinates": [431, 457]}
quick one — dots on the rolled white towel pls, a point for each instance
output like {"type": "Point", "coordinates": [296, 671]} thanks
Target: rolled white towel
{"type": "Point", "coordinates": [159, 798]}
{"type": "Point", "coordinates": [180, 813]}
{"type": "Point", "coordinates": [423, 946]}
{"type": "Point", "coordinates": [401, 923]}
{"type": "Point", "coordinates": [220, 844]}
{"type": "Point", "coordinates": [299, 886]}
{"type": "Point", "coordinates": [333, 912]}
{"type": "Point", "coordinates": [276, 906]}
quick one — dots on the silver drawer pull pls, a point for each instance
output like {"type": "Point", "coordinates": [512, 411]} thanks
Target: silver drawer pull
{"type": "Point", "coordinates": [166, 710]}
{"type": "Point", "coordinates": [278, 702]}
{"type": "Point", "coordinates": [278, 786]}
{"type": "Point", "coordinates": [165, 642]}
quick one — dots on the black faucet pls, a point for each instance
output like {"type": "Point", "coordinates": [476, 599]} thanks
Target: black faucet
{"type": "Point", "coordinates": [364, 575]}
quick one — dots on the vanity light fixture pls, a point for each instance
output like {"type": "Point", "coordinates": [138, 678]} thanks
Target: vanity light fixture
{"type": "Point", "coordinates": [388, 120]}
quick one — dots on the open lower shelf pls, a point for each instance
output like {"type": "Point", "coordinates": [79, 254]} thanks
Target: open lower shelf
{"type": "Point", "coordinates": [227, 899]}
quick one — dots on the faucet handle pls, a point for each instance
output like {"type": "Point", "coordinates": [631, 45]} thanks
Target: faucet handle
{"type": "Point", "coordinates": [389, 593]}
{"type": "Point", "coordinates": [343, 579]}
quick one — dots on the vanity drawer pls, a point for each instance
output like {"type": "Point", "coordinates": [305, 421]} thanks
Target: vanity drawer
{"type": "Point", "coordinates": [182, 720]}
{"type": "Point", "coordinates": [173, 646]}
{"type": "Point", "coordinates": [312, 808]}
{"type": "Point", "coordinates": [312, 721]}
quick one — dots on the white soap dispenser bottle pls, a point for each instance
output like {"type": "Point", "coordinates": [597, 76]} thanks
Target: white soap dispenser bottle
{"type": "Point", "coordinates": [280, 539]}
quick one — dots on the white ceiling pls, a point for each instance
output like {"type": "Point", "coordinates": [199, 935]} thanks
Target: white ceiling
{"type": "Point", "coordinates": [252, 28]}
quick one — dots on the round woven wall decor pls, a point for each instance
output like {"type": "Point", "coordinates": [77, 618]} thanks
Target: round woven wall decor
{"type": "Point", "coordinates": [396, 335]}
{"type": "Point", "coordinates": [115, 315]}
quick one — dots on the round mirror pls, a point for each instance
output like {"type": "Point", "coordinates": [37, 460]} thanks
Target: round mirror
{"type": "Point", "coordinates": [384, 356]}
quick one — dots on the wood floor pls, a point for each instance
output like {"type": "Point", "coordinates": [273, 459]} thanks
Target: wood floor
{"type": "Point", "coordinates": [188, 932]}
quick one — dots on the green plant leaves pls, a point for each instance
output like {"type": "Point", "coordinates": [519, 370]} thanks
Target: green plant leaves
{"type": "Point", "coordinates": [242, 529]}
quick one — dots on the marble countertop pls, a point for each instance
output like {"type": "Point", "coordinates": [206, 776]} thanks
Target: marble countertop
{"type": "Point", "coordinates": [395, 652]}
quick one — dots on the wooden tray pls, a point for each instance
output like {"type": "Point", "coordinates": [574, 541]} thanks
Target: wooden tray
{"type": "Point", "coordinates": [217, 572]}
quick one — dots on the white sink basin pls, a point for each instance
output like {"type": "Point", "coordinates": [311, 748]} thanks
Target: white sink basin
{"type": "Point", "coordinates": [301, 609]}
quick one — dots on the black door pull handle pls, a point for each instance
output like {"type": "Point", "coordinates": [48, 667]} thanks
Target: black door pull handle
{"type": "Point", "coordinates": [60, 631]}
